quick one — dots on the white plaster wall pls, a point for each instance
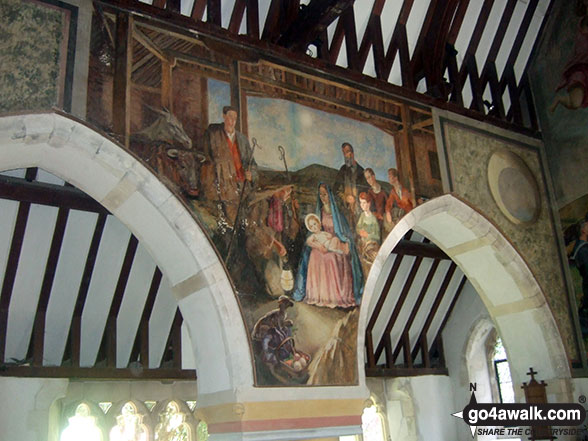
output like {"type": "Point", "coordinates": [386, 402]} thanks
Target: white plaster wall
{"type": "Point", "coordinates": [416, 408]}
{"type": "Point", "coordinates": [467, 313]}
{"type": "Point", "coordinates": [26, 404]}
{"type": "Point", "coordinates": [432, 398]}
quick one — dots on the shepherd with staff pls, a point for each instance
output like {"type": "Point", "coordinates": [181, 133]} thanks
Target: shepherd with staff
{"type": "Point", "coordinates": [272, 235]}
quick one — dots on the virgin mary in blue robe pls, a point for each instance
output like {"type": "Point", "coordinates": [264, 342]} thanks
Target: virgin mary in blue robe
{"type": "Point", "coordinates": [330, 277]}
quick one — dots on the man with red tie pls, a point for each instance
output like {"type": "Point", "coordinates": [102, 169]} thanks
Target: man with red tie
{"type": "Point", "coordinates": [233, 169]}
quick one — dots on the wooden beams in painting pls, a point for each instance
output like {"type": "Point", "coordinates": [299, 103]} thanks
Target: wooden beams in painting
{"type": "Point", "coordinates": [121, 115]}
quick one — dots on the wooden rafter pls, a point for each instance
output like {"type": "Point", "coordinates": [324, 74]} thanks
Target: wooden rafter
{"type": "Point", "coordinates": [456, 296]}
{"type": "Point", "coordinates": [10, 272]}
{"type": "Point", "coordinates": [140, 349]}
{"type": "Point", "coordinates": [110, 328]}
{"type": "Point", "coordinates": [213, 12]}
{"type": "Point", "coordinates": [75, 331]}
{"type": "Point", "coordinates": [498, 38]}
{"type": "Point", "coordinates": [99, 373]}
{"type": "Point", "coordinates": [173, 346]}
{"type": "Point", "coordinates": [18, 189]}
{"type": "Point", "coordinates": [385, 343]}
{"type": "Point", "coordinates": [433, 311]}
{"type": "Point", "coordinates": [198, 9]}
{"type": "Point", "coordinates": [38, 338]}
{"type": "Point", "coordinates": [312, 21]}
{"type": "Point", "coordinates": [415, 309]}
{"type": "Point", "coordinates": [378, 309]}
{"type": "Point", "coordinates": [428, 60]}
{"type": "Point", "coordinates": [420, 249]}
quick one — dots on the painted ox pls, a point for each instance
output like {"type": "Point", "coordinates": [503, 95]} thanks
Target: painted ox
{"type": "Point", "coordinates": [171, 152]}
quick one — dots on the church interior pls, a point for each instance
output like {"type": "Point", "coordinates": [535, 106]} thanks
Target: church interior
{"type": "Point", "coordinates": [328, 220]}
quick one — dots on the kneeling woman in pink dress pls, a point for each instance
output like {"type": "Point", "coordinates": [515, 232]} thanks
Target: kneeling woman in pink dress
{"type": "Point", "coordinates": [329, 273]}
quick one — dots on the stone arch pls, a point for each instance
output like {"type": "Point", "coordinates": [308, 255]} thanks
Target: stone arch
{"type": "Point", "coordinates": [508, 289]}
{"type": "Point", "coordinates": [98, 166]}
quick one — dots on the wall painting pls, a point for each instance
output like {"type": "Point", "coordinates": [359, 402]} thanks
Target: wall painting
{"type": "Point", "coordinates": [297, 208]}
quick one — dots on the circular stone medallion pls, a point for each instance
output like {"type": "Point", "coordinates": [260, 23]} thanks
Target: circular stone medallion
{"type": "Point", "coordinates": [513, 187]}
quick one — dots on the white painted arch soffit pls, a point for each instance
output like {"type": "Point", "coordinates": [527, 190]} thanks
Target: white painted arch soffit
{"type": "Point", "coordinates": [499, 274]}
{"type": "Point", "coordinates": [96, 165]}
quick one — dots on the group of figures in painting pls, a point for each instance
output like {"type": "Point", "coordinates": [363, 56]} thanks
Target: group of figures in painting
{"type": "Point", "coordinates": [307, 236]}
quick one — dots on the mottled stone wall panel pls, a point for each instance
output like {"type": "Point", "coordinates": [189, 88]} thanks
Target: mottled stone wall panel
{"type": "Point", "coordinates": [31, 46]}
{"type": "Point", "coordinates": [468, 153]}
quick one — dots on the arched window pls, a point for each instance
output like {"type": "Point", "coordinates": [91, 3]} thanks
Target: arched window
{"type": "Point", "coordinates": [172, 424]}
{"type": "Point", "coordinates": [488, 365]}
{"type": "Point", "coordinates": [502, 373]}
{"type": "Point", "coordinates": [82, 425]}
{"type": "Point", "coordinates": [373, 423]}
{"type": "Point", "coordinates": [201, 431]}
{"type": "Point", "coordinates": [129, 425]}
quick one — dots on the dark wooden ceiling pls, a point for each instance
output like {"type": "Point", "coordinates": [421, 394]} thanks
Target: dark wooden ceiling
{"type": "Point", "coordinates": [80, 296]}
{"type": "Point", "coordinates": [458, 54]}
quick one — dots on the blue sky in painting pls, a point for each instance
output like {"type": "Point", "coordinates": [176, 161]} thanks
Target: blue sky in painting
{"type": "Point", "coordinates": [309, 136]}
{"type": "Point", "coordinates": [219, 95]}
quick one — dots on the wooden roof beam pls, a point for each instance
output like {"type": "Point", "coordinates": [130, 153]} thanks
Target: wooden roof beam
{"type": "Point", "coordinates": [312, 20]}
{"type": "Point", "coordinates": [419, 249]}
{"type": "Point", "coordinates": [398, 40]}
{"type": "Point", "coordinates": [385, 340]}
{"type": "Point", "coordinates": [428, 59]}
{"type": "Point", "coordinates": [140, 349]}
{"type": "Point", "coordinates": [22, 217]}
{"type": "Point", "coordinates": [377, 309]}
{"type": "Point", "coordinates": [518, 42]}
{"type": "Point", "coordinates": [75, 330]}
{"type": "Point", "coordinates": [38, 338]}
{"type": "Point", "coordinates": [435, 306]}
{"type": "Point", "coordinates": [417, 305]}
{"type": "Point", "coordinates": [110, 331]}
{"type": "Point", "coordinates": [499, 37]}
{"type": "Point", "coordinates": [17, 189]}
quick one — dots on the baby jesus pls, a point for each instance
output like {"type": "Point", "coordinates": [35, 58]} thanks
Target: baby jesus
{"type": "Point", "coordinates": [323, 240]}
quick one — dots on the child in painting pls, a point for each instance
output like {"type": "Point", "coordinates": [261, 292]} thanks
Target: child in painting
{"type": "Point", "coordinates": [320, 239]}
{"type": "Point", "coordinates": [367, 226]}
{"type": "Point", "coordinates": [368, 230]}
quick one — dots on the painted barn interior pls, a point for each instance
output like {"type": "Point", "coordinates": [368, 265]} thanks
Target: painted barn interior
{"type": "Point", "coordinates": [161, 277]}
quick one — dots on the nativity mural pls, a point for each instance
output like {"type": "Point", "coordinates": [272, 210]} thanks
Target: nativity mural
{"type": "Point", "coordinates": [296, 199]}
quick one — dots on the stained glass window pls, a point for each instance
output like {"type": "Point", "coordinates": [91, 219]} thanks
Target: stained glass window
{"type": "Point", "coordinates": [129, 425]}
{"type": "Point", "coordinates": [202, 431]}
{"type": "Point", "coordinates": [82, 425]}
{"type": "Point", "coordinates": [172, 425]}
